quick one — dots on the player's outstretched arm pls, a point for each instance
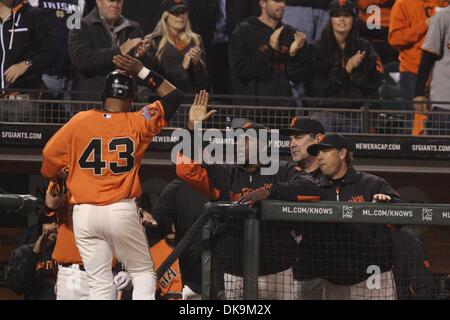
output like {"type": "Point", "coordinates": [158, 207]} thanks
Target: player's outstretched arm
{"type": "Point", "coordinates": [171, 97]}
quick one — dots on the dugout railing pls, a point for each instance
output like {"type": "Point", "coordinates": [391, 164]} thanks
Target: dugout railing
{"type": "Point", "coordinates": [430, 281]}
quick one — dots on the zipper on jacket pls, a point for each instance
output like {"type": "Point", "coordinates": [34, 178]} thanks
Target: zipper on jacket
{"type": "Point", "coordinates": [338, 191]}
{"type": "Point", "coordinates": [4, 53]}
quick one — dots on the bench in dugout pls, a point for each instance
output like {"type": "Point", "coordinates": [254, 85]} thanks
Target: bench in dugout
{"type": "Point", "coordinates": [326, 251]}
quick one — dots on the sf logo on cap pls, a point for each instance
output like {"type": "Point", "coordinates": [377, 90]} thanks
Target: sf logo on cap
{"type": "Point", "coordinates": [342, 2]}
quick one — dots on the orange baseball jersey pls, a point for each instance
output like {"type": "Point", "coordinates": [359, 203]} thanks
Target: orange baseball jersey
{"type": "Point", "coordinates": [170, 282]}
{"type": "Point", "coordinates": [104, 151]}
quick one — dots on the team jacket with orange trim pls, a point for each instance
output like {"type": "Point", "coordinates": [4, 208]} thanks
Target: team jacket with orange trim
{"type": "Point", "coordinates": [342, 252]}
{"type": "Point", "coordinates": [230, 182]}
{"type": "Point", "coordinates": [104, 150]}
{"type": "Point", "coordinates": [407, 30]}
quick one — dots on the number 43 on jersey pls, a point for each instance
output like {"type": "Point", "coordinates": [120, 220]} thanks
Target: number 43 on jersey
{"type": "Point", "coordinates": [92, 159]}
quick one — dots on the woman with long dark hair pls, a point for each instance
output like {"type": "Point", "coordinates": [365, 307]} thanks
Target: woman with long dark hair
{"type": "Point", "coordinates": [343, 65]}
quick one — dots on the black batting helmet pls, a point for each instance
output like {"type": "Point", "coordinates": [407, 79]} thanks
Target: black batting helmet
{"type": "Point", "coordinates": [119, 85]}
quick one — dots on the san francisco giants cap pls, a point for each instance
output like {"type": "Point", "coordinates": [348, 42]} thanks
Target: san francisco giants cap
{"type": "Point", "coordinates": [330, 141]}
{"type": "Point", "coordinates": [303, 125]}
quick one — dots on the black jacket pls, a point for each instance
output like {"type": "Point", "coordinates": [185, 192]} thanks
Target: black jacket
{"type": "Point", "coordinates": [230, 183]}
{"type": "Point", "coordinates": [322, 4]}
{"type": "Point", "coordinates": [91, 52]}
{"type": "Point", "coordinates": [341, 253]}
{"type": "Point", "coordinates": [32, 274]}
{"type": "Point", "coordinates": [31, 40]}
{"type": "Point", "coordinates": [329, 79]}
{"type": "Point", "coordinates": [203, 15]}
{"type": "Point", "coordinates": [257, 69]}
{"type": "Point", "coordinates": [181, 205]}
{"type": "Point", "coordinates": [58, 13]}
{"type": "Point", "coordinates": [192, 80]}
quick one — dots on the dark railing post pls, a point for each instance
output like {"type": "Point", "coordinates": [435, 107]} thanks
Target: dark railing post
{"type": "Point", "coordinates": [251, 257]}
{"type": "Point", "coordinates": [365, 119]}
{"type": "Point", "coordinates": [206, 261]}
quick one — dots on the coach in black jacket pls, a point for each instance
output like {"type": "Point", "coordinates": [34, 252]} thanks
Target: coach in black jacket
{"type": "Point", "coordinates": [93, 46]}
{"type": "Point", "coordinates": [27, 47]}
{"type": "Point", "coordinates": [343, 253]}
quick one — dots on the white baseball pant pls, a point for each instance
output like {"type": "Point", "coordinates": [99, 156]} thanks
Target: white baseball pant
{"type": "Point", "coordinates": [72, 283]}
{"type": "Point", "coordinates": [115, 229]}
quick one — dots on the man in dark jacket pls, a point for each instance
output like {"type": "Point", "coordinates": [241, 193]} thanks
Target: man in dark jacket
{"type": "Point", "coordinates": [27, 46]}
{"type": "Point", "coordinates": [215, 20]}
{"type": "Point", "coordinates": [61, 17]}
{"type": "Point", "coordinates": [265, 56]}
{"type": "Point", "coordinates": [345, 256]}
{"type": "Point", "coordinates": [26, 51]}
{"type": "Point", "coordinates": [104, 33]}
{"type": "Point", "coordinates": [31, 269]}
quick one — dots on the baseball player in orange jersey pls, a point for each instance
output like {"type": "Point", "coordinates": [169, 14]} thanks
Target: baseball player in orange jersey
{"type": "Point", "coordinates": [104, 149]}
{"type": "Point", "coordinates": [71, 281]}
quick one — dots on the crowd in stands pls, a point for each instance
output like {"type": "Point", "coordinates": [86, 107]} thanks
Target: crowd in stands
{"type": "Point", "coordinates": [361, 49]}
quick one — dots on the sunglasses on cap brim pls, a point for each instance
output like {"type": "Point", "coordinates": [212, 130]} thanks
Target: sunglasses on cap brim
{"type": "Point", "coordinates": [341, 14]}
{"type": "Point", "coordinates": [179, 11]}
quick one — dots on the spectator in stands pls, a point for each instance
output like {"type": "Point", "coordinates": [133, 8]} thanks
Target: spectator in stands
{"type": "Point", "coordinates": [378, 35]}
{"type": "Point", "coordinates": [180, 205]}
{"type": "Point", "coordinates": [178, 52]}
{"type": "Point", "coordinates": [26, 51]}
{"type": "Point", "coordinates": [215, 20]}
{"type": "Point", "coordinates": [436, 61]}
{"type": "Point", "coordinates": [342, 65]}
{"type": "Point", "coordinates": [265, 56]}
{"type": "Point", "coordinates": [60, 17]}
{"type": "Point", "coordinates": [104, 33]}
{"type": "Point", "coordinates": [309, 17]}
{"type": "Point", "coordinates": [31, 269]}
{"type": "Point", "coordinates": [409, 24]}
{"type": "Point", "coordinates": [341, 254]}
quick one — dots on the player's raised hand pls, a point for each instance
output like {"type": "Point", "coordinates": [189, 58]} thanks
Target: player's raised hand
{"type": "Point", "coordinates": [128, 63]}
{"type": "Point", "coordinates": [198, 110]}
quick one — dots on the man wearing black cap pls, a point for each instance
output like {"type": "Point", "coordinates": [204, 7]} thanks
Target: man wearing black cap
{"type": "Point", "coordinates": [304, 131]}
{"type": "Point", "coordinates": [340, 254]}
{"type": "Point", "coordinates": [232, 182]}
